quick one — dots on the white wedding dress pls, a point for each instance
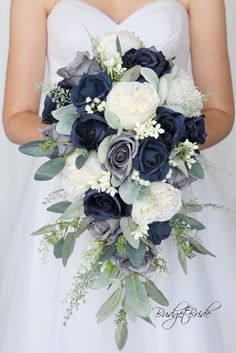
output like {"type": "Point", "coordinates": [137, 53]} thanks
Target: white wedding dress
{"type": "Point", "coordinates": [31, 311]}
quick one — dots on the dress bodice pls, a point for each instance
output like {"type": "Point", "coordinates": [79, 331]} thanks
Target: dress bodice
{"type": "Point", "coordinates": [163, 23]}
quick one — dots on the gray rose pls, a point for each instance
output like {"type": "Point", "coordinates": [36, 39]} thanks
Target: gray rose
{"type": "Point", "coordinates": [105, 230]}
{"type": "Point", "coordinates": [123, 263]}
{"type": "Point", "coordinates": [122, 150]}
{"type": "Point", "coordinates": [179, 180]}
{"type": "Point", "coordinates": [82, 64]}
{"type": "Point", "coordinates": [61, 149]}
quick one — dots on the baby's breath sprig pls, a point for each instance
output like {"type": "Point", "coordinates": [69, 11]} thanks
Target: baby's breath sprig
{"type": "Point", "coordinates": [184, 152]}
{"type": "Point", "coordinates": [150, 128]}
{"type": "Point", "coordinates": [103, 184]}
{"type": "Point", "coordinates": [94, 105]}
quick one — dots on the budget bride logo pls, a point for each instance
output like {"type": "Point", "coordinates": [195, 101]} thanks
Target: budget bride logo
{"type": "Point", "coordinates": [183, 313]}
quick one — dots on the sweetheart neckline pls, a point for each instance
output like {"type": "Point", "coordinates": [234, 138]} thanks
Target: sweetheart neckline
{"type": "Point", "coordinates": [133, 14]}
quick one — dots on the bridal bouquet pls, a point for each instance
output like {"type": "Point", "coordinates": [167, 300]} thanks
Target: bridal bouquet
{"type": "Point", "coordinates": [123, 135]}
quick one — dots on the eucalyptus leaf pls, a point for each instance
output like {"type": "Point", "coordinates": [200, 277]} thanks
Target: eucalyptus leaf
{"type": "Point", "coordinates": [66, 117]}
{"type": "Point", "coordinates": [105, 277]}
{"type": "Point", "coordinates": [129, 192]}
{"type": "Point", "coordinates": [192, 222]}
{"type": "Point", "coordinates": [196, 171]}
{"type": "Point", "coordinates": [112, 120]}
{"type": "Point", "coordinates": [44, 230]}
{"type": "Point", "coordinates": [150, 76]}
{"type": "Point", "coordinates": [148, 319]}
{"type": "Point", "coordinates": [136, 256]}
{"type": "Point", "coordinates": [75, 210]}
{"type": "Point", "coordinates": [84, 224]}
{"type": "Point", "coordinates": [50, 169]}
{"type": "Point", "coordinates": [190, 208]}
{"type": "Point", "coordinates": [121, 335]}
{"type": "Point", "coordinates": [163, 89]}
{"type": "Point", "coordinates": [129, 311]}
{"type": "Point", "coordinates": [80, 161]}
{"type": "Point", "coordinates": [131, 74]}
{"type": "Point", "coordinates": [136, 295]}
{"type": "Point", "coordinates": [118, 46]}
{"type": "Point", "coordinates": [201, 249]}
{"type": "Point", "coordinates": [57, 249]}
{"type": "Point", "coordinates": [68, 247]}
{"type": "Point", "coordinates": [32, 148]}
{"type": "Point", "coordinates": [59, 207]}
{"type": "Point", "coordinates": [155, 293]}
{"type": "Point", "coordinates": [115, 182]}
{"type": "Point", "coordinates": [127, 227]}
{"type": "Point", "coordinates": [103, 149]}
{"type": "Point", "coordinates": [183, 260]}
{"type": "Point", "coordinates": [182, 166]}
{"type": "Point", "coordinates": [108, 252]}
{"type": "Point", "coordinates": [110, 306]}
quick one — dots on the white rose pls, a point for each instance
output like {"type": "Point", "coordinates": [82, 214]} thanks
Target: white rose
{"type": "Point", "coordinates": [163, 203]}
{"type": "Point", "coordinates": [107, 43]}
{"type": "Point", "coordinates": [184, 95]}
{"type": "Point", "coordinates": [76, 181]}
{"type": "Point", "coordinates": [132, 102]}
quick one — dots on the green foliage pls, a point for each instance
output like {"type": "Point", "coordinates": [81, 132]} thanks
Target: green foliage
{"type": "Point", "coordinates": [66, 117]}
{"type": "Point", "coordinates": [103, 149]}
{"type": "Point", "coordinates": [121, 333]}
{"type": "Point", "coordinates": [131, 74]}
{"type": "Point", "coordinates": [33, 148]}
{"type": "Point", "coordinates": [59, 207]}
{"type": "Point", "coordinates": [110, 306]}
{"type": "Point", "coordinates": [81, 160]}
{"type": "Point", "coordinates": [120, 245]}
{"type": "Point", "coordinates": [129, 192]}
{"type": "Point", "coordinates": [155, 293]}
{"type": "Point", "coordinates": [127, 227]}
{"type": "Point", "coordinates": [196, 171]}
{"type": "Point", "coordinates": [150, 76]}
{"type": "Point", "coordinates": [50, 169]}
{"type": "Point", "coordinates": [68, 247]}
{"type": "Point", "coordinates": [136, 256]}
{"type": "Point", "coordinates": [136, 295]}
{"type": "Point", "coordinates": [113, 121]}
{"type": "Point", "coordinates": [105, 277]}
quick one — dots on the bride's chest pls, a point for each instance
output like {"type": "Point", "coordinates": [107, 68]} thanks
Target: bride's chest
{"type": "Point", "coordinates": [163, 23]}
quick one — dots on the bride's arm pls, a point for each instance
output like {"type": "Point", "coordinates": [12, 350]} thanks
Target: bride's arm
{"type": "Point", "coordinates": [210, 63]}
{"type": "Point", "coordinates": [26, 65]}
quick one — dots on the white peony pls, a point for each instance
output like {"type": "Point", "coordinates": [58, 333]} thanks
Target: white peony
{"type": "Point", "coordinates": [106, 44]}
{"type": "Point", "coordinates": [132, 102]}
{"type": "Point", "coordinates": [163, 203]}
{"type": "Point", "coordinates": [76, 181]}
{"type": "Point", "coordinates": [184, 95]}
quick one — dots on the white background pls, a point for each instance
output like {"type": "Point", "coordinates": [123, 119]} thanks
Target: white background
{"type": "Point", "coordinates": [14, 166]}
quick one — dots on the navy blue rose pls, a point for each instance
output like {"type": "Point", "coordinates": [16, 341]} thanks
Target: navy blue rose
{"type": "Point", "coordinates": [174, 125]}
{"type": "Point", "coordinates": [49, 106]}
{"type": "Point", "coordinates": [102, 206]}
{"type": "Point", "coordinates": [89, 130]}
{"type": "Point", "coordinates": [93, 86]}
{"type": "Point", "coordinates": [145, 57]}
{"type": "Point", "coordinates": [152, 159]}
{"type": "Point", "coordinates": [158, 231]}
{"type": "Point", "coordinates": [195, 129]}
